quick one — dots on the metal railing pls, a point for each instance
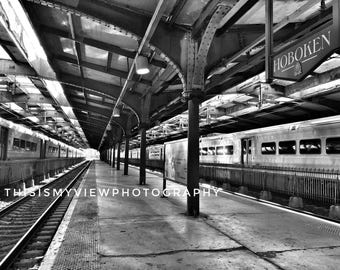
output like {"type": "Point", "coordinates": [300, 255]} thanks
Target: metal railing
{"type": "Point", "coordinates": [315, 184]}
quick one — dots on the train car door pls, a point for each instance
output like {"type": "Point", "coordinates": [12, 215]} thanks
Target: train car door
{"type": "Point", "coordinates": [3, 143]}
{"type": "Point", "coordinates": [42, 149]}
{"type": "Point", "coordinates": [246, 153]}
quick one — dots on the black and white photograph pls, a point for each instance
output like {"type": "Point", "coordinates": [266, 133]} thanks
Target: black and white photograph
{"type": "Point", "coordinates": [169, 134]}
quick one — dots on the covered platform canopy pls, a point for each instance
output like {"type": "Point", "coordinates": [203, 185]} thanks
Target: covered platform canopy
{"type": "Point", "coordinates": [91, 48]}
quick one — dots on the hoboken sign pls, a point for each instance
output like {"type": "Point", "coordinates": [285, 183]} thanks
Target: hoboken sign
{"type": "Point", "coordinates": [296, 62]}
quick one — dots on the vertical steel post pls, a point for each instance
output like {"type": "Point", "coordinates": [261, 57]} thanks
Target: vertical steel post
{"type": "Point", "coordinates": [269, 40]}
{"type": "Point", "coordinates": [142, 160]}
{"type": "Point", "coordinates": [126, 159]}
{"type": "Point", "coordinates": [118, 156]}
{"type": "Point", "coordinates": [193, 157]}
{"type": "Point", "coordinates": [336, 18]}
{"type": "Point", "coordinates": [114, 155]}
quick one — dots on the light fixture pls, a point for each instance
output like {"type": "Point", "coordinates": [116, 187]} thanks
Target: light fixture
{"type": "Point", "coordinates": [142, 65]}
{"type": "Point", "coordinates": [116, 112]}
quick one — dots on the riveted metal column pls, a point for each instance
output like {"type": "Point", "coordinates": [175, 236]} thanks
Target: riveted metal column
{"type": "Point", "coordinates": [127, 142]}
{"type": "Point", "coordinates": [195, 67]}
{"type": "Point", "coordinates": [193, 157]}
{"type": "Point", "coordinates": [126, 158]}
{"type": "Point", "coordinates": [336, 18]}
{"type": "Point", "coordinates": [269, 40]}
{"type": "Point", "coordinates": [118, 156]}
{"type": "Point", "coordinates": [142, 164]}
{"type": "Point", "coordinates": [145, 120]}
{"type": "Point", "coordinates": [114, 155]}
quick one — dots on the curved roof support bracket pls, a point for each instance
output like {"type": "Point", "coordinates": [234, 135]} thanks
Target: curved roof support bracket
{"type": "Point", "coordinates": [197, 54]}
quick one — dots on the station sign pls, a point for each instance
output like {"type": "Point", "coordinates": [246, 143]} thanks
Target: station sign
{"type": "Point", "coordinates": [296, 62]}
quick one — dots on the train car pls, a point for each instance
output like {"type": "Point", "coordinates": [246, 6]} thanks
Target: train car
{"type": "Point", "coordinates": [135, 153]}
{"type": "Point", "coordinates": [52, 149]}
{"type": "Point", "coordinates": [17, 143]}
{"type": "Point", "coordinates": [309, 144]}
{"type": "Point", "coordinates": [21, 146]}
{"type": "Point", "coordinates": [155, 152]}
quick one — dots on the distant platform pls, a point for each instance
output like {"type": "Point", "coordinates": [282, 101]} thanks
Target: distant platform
{"type": "Point", "coordinates": [149, 232]}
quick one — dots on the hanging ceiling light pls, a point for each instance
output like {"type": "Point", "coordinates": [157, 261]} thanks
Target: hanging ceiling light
{"type": "Point", "coordinates": [142, 65]}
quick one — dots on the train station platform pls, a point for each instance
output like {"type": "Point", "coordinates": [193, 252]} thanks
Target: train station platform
{"type": "Point", "coordinates": [149, 232]}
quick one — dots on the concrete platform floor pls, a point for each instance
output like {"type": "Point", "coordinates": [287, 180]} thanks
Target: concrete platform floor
{"type": "Point", "coordinates": [149, 232]}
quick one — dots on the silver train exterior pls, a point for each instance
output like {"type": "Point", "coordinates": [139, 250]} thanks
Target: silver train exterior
{"type": "Point", "coordinates": [21, 145]}
{"type": "Point", "coordinates": [301, 158]}
{"type": "Point", "coordinates": [27, 156]}
{"type": "Point", "coordinates": [310, 144]}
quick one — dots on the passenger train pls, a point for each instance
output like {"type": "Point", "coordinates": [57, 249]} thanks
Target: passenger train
{"type": "Point", "coordinates": [308, 144]}
{"type": "Point", "coordinates": [301, 158]}
{"type": "Point", "coordinates": [27, 155]}
{"type": "Point", "coordinates": [18, 143]}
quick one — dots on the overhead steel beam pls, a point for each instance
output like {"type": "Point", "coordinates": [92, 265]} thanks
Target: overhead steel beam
{"type": "Point", "coordinates": [103, 112]}
{"type": "Point", "coordinates": [27, 99]}
{"type": "Point", "coordinates": [7, 42]}
{"type": "Point", "coordinates": [147, 36]}
{"type": "Point", "coordinates": [98, 87]}
{"type": "Point", "coordinates": [88, 99]}
{"type": "Point", "coordinates": [158, 13]}
{"type": "Point", "coordinates": [107, 70]}
{"type": "Point", "coordinates": [98, 44]}
{"type": "Point", "coordinates": [222, 80]}
{"type": "Point", "coordinates": [10, 67]}
{"type": "Point", "coordinates": [176, 11]}
{"type": "Point", "coordinates": [239, 9]}
{"type": "Point", "coordinates": [83, 107]}
{"type": "Point", "coordinates": [207, 12]}
{"type": "Point", "coordinates": [276, 28]}
{"type": "Point", "coordinates": [309, 84]}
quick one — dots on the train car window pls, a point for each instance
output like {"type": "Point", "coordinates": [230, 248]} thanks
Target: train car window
{"type": "Point", "coordinates": [287, 147]}
{"type": "Point", "coordinates": [211, 151]}
{"type": "Point", "coordinates": [204, 151]}
{"type": "Point", "coordinates": [229, 150]}
{"type": "Point", "coordinates": [28, 146]}
{"type": "Point", "coordinates": [312, 146]}
{"type": "Point", "coordinates": [22, 144]}
{"type": "Point", "coordinates": [268, 148]}
{"type": "Point", "coordinates": [219, 150]}
{"type": "Point", "coordinates": [333, 145]}
{"type": "Point", "coordinates": [16, 144]}
{"type": "Point", "coordinates": [33, 147]}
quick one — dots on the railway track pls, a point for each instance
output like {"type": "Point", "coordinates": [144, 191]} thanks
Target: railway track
{"type": "Point", "coordinates": [27, 226]}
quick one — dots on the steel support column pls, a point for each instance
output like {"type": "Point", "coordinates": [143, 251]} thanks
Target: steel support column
{"type": "Point", "coordinates": [142, 164]}
{"type": "Point", "coordinates": [145, 121]}
{"type": "Point", "coordinates": [193, 157]}
{"type": "Point", "coordinates": [196, 61]}
{"type": "Point", "coordinates": [118, 156]}
{"type": "Point", "coordinates": [126, 158]}
{"type": "Point", "coordinates": [336, 17]}
{"type": "Point", "coordinates": [114, 155]}
{"type": "Point", "coordinates": [269, 41]}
